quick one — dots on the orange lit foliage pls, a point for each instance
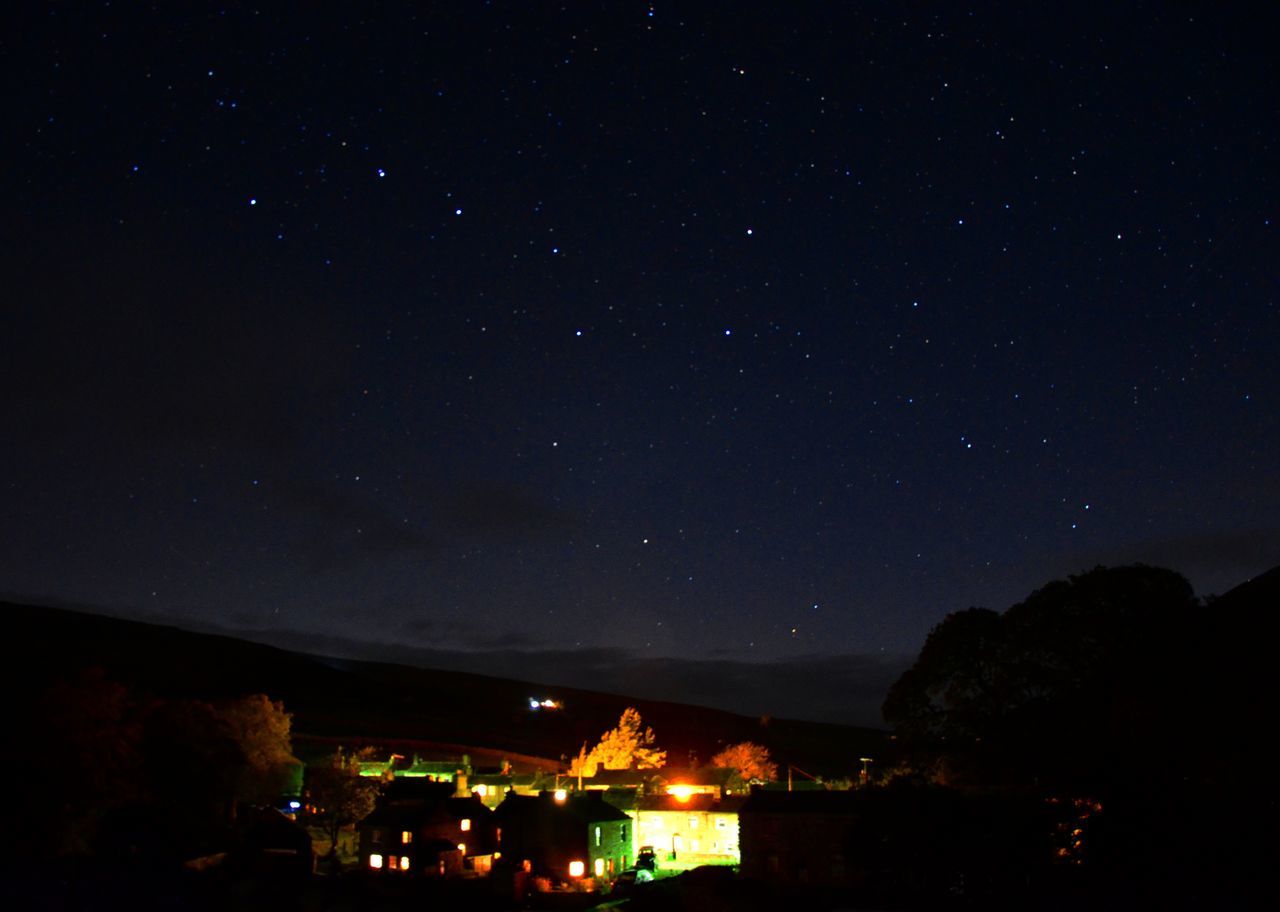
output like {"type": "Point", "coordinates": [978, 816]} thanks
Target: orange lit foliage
{"type": "Point", "coordinates": [625, 747]}
{"type": "Point", "coordinates": [748, 760]}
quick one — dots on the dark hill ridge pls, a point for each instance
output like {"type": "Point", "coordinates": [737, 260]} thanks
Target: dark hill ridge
{"type": "Point", "coordinates": [356, 701]}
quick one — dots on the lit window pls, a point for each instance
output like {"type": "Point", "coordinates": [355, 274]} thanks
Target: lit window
{"type": "Point", "coordinates": [404, 862]}
{"type": "Point", "coordinates": [392, 862]}
{"type": "Point", "coordinates": [462, 847]}
{"type": "Point", "coordinates": [577, 869]}
{"type": "Point", "coordinates": [375, 861]}
{"type": "Point", "coordinates": [599, 867]}
{"type": "Point", "coordinates": [406, 837]}
{"type": "Point", "coordinates": [466, 824]}
{"type": "Point", "coordinates": [561, 795]}
{"type": "Point", "coordinates": [482, 790]}
{"type": "Point", "coordinates": [597, 835]}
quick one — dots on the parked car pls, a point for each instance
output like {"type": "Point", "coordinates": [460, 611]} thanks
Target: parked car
{"type": "Point", "coordinates": [625, 882]}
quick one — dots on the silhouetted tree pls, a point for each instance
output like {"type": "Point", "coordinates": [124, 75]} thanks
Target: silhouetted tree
{"type": "Point", "coordinates": [87, 731]}
{"type": "Point", "coordinates": [1043, 691]}
{"type": "Point", "coordinates": [338, 795]}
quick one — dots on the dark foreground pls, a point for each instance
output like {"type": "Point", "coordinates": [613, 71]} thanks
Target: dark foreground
{"type": "Point", "coordinates": [90, 887]}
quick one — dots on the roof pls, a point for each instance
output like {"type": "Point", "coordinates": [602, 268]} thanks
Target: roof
{"type": "Point", "coordinates": [697, 802]}
{"type": "Point", "coordinates": [585, 808]}
{"type": "Point", "coordinates": [813, 803]}
{"type": "Point", "coordinates": [416, 789]}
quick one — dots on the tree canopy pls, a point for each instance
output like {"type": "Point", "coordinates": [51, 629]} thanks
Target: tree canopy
{"type": "Point", "coordinates": [627, 746]}
{"type": "Point", "coordinates": [338, 795]}
{"type": "Point", "coordinates": [749, 761]}
{"type": "Point", "coordinates": [1047, 683]}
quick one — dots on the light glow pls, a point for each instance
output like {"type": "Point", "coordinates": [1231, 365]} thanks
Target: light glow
{"type": "Point", "coordinates": [577, 869]}
{"type": "Point", "coordinates": [599, 867]}
{"type": "Point", "coordinates": [404, 862]}
{"type": "Point", "coordinates": [466, 824]}
{"type": "Point", "coordinates": [680, 792]}
{"type": "Point", "coordinates": [375, 861]}
{"type": "Point", "coordinates": [561, 795]}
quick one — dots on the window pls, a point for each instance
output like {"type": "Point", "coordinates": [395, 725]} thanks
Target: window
{"type": "Point", "coordinates": [406, 837]}
{"type": "Point", "coordinates": [597, 835]}
{"type": "Point", "coordinates": [404, 862]}
{"type": "Point", "coordinates": [599, 866]}
{"type": "Point", "coordinates": [466, 824]}
{"type": "Point", "coordinates": [623, 833]}
{"type": "Point", "coordinates": [375, 837]}
{"type": "Point", "coordinates": [375, 861]}
{"type": "Point", "coordinates": [577, 869]}
{"type": "Point", "coordinates": [693, 823]}
{"type": "Point", "coordinates": [393, 862]}
{"type": "Point", "coordinates": [721, 823]}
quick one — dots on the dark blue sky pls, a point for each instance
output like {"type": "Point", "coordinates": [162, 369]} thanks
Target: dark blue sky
{"type": "Point", "coordinates": [574, 336]}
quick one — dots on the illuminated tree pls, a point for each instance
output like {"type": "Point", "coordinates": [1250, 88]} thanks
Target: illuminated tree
{"type": "Point", "coordinates": [626, 747]}
{"type": "Point", "coordinates": [748, 760]}
{"type": "Point", "coordinates": [261, 729]}
{"type": "Point", "coordinates": [584, 764]}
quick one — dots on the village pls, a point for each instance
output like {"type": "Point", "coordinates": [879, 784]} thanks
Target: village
{"type": "Point", "coordinates": [589, 828]}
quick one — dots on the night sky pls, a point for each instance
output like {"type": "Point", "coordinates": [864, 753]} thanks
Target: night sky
{"type": "Point", "coordinates": [586, 341]}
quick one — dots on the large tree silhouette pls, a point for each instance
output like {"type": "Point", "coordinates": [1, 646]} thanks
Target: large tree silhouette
{"type": "Point", "coordinates": [1051, 689]}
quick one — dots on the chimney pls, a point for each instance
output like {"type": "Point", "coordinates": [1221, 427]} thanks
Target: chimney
{"type": "Point", "coordinates": [460, 778]}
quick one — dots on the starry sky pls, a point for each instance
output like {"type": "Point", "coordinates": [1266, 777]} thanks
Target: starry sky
{"type": "Point", "coordinates": [715, 351]}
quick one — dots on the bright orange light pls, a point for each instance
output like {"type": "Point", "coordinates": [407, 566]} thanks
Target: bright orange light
{"type": "Point", "coordinates": [404, 862]}
{"type": "Point", "coordinates": [577, 869]}
{"type": "Point", "coordinates": [462, 847]}
{"type": "Point", "coordinates": [680, 792]}
{"type": "Point", "coordinates": [406, 837]}
{"type": "Point", "coordinates": [561, 795]}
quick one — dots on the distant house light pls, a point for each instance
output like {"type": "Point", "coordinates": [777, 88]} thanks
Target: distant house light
{"type": "Point", "coordinates": [577, 869]}
{"type": "Point", "coordinates": [375, 861]}
{"type": "Point", "coordinates": [599, 867]}
{"type": "Point", "coordinates": [404, 862]}
{"type": "Point", "coordinates": [482, 790]}
{"type": "Point", "coordinates": [561, 795]}
{"type": "Point", "coordinates": [466, 824]}
{"type": "Point", "coordinates": [462, 847]}
{"type": "Point", "coordinates": [406, 837]}
{"type": "Point", "coordinates": [680, 792]}
{"type": "Point", "coordinates": [294, 805]}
